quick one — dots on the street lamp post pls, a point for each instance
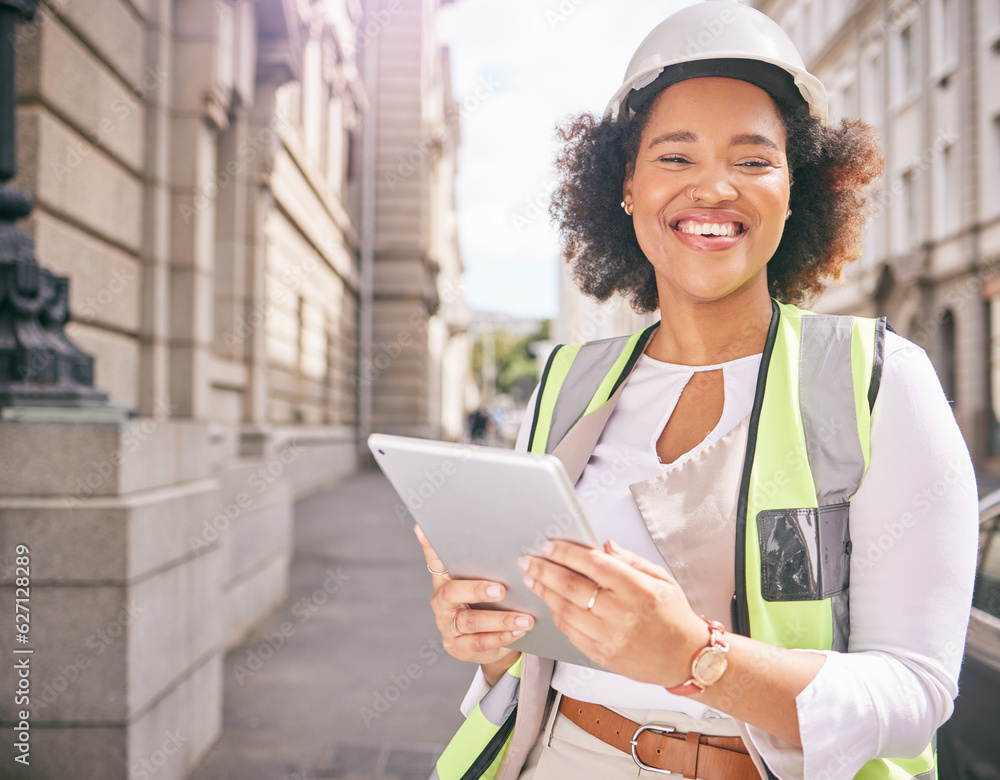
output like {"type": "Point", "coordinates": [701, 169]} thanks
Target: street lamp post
{"type": "Point", "coordinates": [39, 365]}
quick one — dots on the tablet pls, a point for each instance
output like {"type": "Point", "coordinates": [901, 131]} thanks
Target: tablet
{"type": "Point", "coordinates": [481, 508]}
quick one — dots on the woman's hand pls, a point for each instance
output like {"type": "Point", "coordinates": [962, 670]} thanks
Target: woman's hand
{"type": "Point", "coordinates": [476, 635]}
{"type": "Point", "coordinates": [619, 609]}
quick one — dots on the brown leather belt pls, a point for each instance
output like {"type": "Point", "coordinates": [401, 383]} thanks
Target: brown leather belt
{"type": "Point", "coordinates": [659, 749]}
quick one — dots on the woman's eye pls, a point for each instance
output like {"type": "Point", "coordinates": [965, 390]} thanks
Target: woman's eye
{"type": "Point", "coordinates": [673, 159]}
{"type": "Point", "coordinates": [756, 164]}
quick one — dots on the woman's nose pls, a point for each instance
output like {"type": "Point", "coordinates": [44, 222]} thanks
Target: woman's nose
{"type": "Point", "coordinates": [713, 187]}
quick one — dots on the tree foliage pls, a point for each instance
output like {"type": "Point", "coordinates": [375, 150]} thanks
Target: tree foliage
{"type": "Point", "coordinates": [516, 364]}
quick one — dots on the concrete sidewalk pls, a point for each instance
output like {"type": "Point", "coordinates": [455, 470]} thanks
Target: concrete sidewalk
{"type": "Point", "coordinates": [348, 678]}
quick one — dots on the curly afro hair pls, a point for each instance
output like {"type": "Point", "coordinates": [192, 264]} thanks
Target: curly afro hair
{"type": "Point", "coordinates": [830, 169]}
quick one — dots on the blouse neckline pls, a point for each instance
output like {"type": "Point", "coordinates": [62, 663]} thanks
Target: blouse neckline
{"type": "Point", "coordinates": [680, 367]}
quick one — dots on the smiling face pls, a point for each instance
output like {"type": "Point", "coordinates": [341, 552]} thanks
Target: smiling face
{"type": "Point", "coordinates": [709, 190]}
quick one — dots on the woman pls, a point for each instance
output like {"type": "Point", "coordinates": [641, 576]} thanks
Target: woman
{"type": "Point", "coordinates": [744, 626]}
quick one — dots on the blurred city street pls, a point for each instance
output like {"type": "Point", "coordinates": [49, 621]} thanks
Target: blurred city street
{"type": "Point", "coordinates": [237, 237]}
{"type": "Point", "coordinates": [347, 679]}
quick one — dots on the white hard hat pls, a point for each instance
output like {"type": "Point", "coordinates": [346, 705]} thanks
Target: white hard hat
{"type": "Point", "coordinates": [719, 38]}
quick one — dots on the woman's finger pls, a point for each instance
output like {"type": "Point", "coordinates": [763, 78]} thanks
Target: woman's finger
{"type": "Point", "coordinates": [636, 561]}
{"type": "Point", "coordinates": [572, 598]}
{"type": "Point", "coordinates": [482, 636]}
{"type": "Point", "coordinates": [434, 564]}
{"type": "Point", "coordinates": [624, 630]}
{"type": "Point", "coordinates": [452, 593]}
{"type": "Point", "coordinates": [626, 622]}
{"type": "Point", "coordinates": [481, 648]}
{"type": "Point", "coordinates": [616, 571]}
{"type": "Point", "coordinates": [486, 621]}
{"type": "Point", "coordinates": [572, 586]}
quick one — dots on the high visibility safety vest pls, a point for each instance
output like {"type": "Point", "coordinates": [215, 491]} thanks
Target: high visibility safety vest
{"type": "Point", "coordinates": [478, 746]}
{"type": "Point", "coordinates": [807, 452]}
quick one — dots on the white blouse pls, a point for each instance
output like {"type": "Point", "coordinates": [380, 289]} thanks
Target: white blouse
{"type": "Point", "coordinates": [914, 531]}
{"type": "Point", "coordinates": [626, 452]}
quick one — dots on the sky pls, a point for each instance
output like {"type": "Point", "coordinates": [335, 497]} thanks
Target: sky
{"type": "Point", "coordinates": [518, 68]}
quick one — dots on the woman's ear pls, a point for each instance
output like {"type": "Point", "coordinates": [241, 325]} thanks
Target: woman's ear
{"type": "Point", "coordinates": [627, 185]}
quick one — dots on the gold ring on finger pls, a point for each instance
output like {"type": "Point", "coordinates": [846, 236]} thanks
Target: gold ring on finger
{"type": "Point", "coordinates": [593, 598]}
{"type": "Point", "coordinates": [437, 573]}
{"type": "Point", "coordinates": [454, 623]}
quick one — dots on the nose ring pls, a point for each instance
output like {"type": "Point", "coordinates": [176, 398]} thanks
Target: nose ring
{"type": "Point", "coordinates": [691, 193]}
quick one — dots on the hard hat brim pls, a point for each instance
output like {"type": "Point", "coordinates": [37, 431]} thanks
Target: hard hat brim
{"type": "Point", "coordinates": [808, 87]}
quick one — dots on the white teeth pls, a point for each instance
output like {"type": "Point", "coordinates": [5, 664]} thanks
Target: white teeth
{"type": "Point", "coordinates": [707, 228]}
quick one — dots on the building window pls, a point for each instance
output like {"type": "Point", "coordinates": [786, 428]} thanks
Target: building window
{"type": "Point", "coordinates": [336, 146]}
{"type": "Point", "coordinates": [946, 347]}
{"type": "Point", "coordinates": [906, 212]}
{"type": "Point", "coordinates": [850, 104]}
{"type": "Point", "coordinates": [910, 205]}
{"type": "Point", "coordinates": [949, 29]}
{"type": "Point", "coordinates": [323, 149]}
{"type": "Point", "coordinates": [951, 180]}
{"type": "Point", "coordinates": [945, 41]}
{"type": "Point", "coordinates": [833, 112]}
{"type": "Point", "coordinates": [353, 156]}
{"type": "Point", "coordinates": [869, 252]}
{"type": "Point", "coordinates": [905, 72]}
{"type": "Point", "coordinates": [312, 99]}
{"type": "Point", "coordinates": [872, 93]}
{"type": "Point", "coordinates": [906, 59]}
{"type": "Point", "coordinates": [946, 191]}
{"type": "Point", "coordinates": [841, 100]}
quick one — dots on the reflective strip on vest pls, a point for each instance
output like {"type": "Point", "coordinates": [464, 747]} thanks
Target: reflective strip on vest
{"type": "Point", "coordinates": [484, 736]}
{"type": "Point", "coordinates": [827, 404]}
{"type": "Point", "coordinates": [808, 449]}
{"type": "Point", "coordinates": [545, 406]}
{"type": "Point", "coordinates": [803, 357]}
{"type": "Point", "coordinates": [580, 386]}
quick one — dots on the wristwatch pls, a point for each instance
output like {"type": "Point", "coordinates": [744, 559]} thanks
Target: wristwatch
{"type": "Point", "coordinates": [708, 664]}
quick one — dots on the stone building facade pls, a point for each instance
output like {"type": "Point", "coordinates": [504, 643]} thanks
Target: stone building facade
{"type": "Point", "coordinates": [417, 360]}
{"type": "Point", "coordinates": [211, 175]}
{"type": "Point", "coordinates": [924, 73]}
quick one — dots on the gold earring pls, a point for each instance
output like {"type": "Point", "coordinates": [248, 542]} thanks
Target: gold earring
{"type": "Point", "coordinates": [788, 213]}
{"type": "Point", "coordinates": [626, 209]}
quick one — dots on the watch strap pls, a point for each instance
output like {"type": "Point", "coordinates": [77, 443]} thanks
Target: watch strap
{"type": "Point", "coordinates": [692, 685]}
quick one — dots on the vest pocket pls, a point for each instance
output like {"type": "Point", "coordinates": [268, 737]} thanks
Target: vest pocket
{"type": "Point", "coordinates": [805, 554]}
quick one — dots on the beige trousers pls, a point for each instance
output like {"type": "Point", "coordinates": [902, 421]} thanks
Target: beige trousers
{"type": "Point", "coordinates": [564, 750]}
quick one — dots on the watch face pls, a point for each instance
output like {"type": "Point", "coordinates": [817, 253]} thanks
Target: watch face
{"type": "Point", "coordinates": [710, 666]}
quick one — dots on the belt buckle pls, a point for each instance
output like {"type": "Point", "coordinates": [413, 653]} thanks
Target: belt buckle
{"type": "Point", "coordinates": [635, 741]}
